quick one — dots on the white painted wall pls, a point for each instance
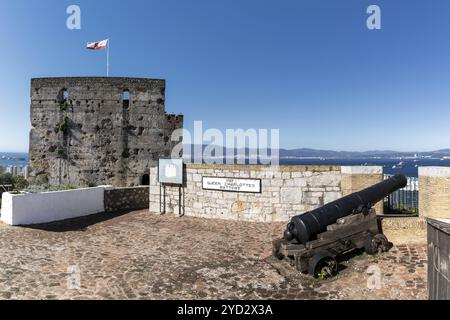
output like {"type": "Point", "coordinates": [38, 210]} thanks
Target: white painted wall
{"type": "Point", "coordinates": [33, 208]}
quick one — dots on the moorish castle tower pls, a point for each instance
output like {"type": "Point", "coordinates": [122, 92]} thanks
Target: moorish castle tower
{"type": "Point", "coordinates": [92, 131]}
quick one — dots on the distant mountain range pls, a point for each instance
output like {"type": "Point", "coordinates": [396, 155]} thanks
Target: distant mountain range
{"type": "Point", "coordinates": [310, 153]}
{"type": "Point", "coordinates": [315, 153]}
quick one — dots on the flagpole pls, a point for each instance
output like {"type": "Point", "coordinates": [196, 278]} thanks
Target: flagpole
{"type": "Point", "coordinates": [107, 59]}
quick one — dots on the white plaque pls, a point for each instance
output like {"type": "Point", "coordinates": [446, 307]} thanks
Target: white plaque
{"type": "Point", "coordinates": [232, 184]}
{"type": "Point", "coordinates": [171, 171]}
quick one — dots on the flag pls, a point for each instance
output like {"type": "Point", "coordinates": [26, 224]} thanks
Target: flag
{"type": "Point", "coordinates": [97, 45]}
{"type": "Point", "coordinates": [100, 45]}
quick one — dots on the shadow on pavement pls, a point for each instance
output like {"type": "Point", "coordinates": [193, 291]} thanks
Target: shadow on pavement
{"type": "Point", "coordinates": [77, 224]}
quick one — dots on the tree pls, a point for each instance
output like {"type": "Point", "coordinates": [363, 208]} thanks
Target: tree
{"type": "Point", "coordinates": [6, 179]}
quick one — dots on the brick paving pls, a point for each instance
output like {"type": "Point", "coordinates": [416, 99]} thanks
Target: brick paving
{"type": "Point", "coordinates": [139, 255]}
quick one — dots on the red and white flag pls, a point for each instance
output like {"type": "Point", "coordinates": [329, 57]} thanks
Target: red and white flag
{"type": "Point", "coordinates": [100, 45]}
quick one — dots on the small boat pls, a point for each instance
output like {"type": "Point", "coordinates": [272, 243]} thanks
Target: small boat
{"type": "Point", "coordinates": [398, 165]}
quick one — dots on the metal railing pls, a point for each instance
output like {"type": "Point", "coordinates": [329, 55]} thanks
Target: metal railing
{"type": "Point", "coordinates": [404, 201]}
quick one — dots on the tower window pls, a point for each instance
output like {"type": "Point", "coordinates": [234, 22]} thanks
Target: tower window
{"type": "Point", "coordinates": [63, 95]}
{"type": "Point", "coordinates": [126, 98]}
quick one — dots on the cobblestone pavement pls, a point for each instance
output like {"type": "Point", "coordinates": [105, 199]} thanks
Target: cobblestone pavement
{"type": "Point", "coordinates": [139, 255]}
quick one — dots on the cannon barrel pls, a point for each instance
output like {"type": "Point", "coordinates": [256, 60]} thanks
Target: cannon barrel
{"type": "Point", "coordinates": [307, 226]}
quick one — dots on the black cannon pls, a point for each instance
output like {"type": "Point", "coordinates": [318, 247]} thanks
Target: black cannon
{"type": "Point", "coordinates": [313, 240]}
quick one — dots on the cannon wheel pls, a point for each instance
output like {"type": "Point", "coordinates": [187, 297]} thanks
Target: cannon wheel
{"type": "Point", "coordinates": [322, 266]}
{"type": "Point", "coordinates": [276, 250]}
{"type": "Point", "coordinates": [376, 244]}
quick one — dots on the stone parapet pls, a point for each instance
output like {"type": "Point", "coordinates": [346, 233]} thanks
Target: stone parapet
{"type": "Point", "coordinates": [356, 178]}
{"type": "Point", "coordinates": [120, 199]}
{"type": "Point", "coordinates": [434, 194]}
{"type": "Point", "coordinates": [286, 191]}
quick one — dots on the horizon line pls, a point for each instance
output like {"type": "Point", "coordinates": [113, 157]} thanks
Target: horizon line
{"type": "Point", "coordinates": [297, 148]}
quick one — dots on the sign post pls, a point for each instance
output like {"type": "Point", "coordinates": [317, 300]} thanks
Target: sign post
{"type": "Point", "coordinates": [170, 172]}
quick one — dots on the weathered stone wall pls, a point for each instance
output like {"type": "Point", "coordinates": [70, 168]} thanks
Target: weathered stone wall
{"type": "Point", "coordinates": [434, 193]}
{"type": "Point", "coordinates": [286, 191]}
{"type": "Point", "coordinates": [133, 198]}
{"type": "Point", "coordinates": [92, 136]}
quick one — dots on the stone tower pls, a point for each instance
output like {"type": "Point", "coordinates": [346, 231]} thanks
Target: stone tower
{"type": "Point", "coordinates": [92, 131]}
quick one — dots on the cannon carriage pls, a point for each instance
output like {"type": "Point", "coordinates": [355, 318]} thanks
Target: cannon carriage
{"type": "Point", "coordinates": [314, 240]}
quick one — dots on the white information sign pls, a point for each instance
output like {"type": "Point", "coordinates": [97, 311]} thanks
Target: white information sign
{"type": "Point", "coordinates": [171, 171]}
{"type": "Point", "coordinates": [232, 184]}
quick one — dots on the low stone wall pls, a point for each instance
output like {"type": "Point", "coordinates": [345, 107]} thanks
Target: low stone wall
{"type": "Point", "coordinates": [399, 223]}
{"type": "Point", "coordinates": [2, 190]}
{"type": "Point", "coordinates": [434, 194]}
{"type": "Point", "coordinates": [407, 230]}
{"type": "Point", "coordinates": [134, 198]}
{"type": "Point", "coordinates": [285, 191]}
{"type": "Point", "coordinates": [45, 207]}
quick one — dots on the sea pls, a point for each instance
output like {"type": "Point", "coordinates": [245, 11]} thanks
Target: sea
{"type": "Point", "coordinates": [406, 166]}
{"type": "Point", "coordinates": [13, 159]}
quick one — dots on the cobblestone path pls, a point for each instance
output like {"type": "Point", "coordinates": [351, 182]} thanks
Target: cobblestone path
{"type": "Point", "coordinates": [139, 255]}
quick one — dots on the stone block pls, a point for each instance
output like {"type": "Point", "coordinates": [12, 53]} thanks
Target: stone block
{"type": "Point", "coordinates": [291, 195]}
{"type": "Point", "coordinates": [331, 196]}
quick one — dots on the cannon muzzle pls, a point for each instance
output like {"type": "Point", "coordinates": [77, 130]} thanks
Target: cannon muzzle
{"type": "Point", "coordinates": [307, 226]}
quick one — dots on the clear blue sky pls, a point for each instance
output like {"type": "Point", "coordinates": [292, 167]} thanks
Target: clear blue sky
{"type": "Point", "coordinates": [310, 68]}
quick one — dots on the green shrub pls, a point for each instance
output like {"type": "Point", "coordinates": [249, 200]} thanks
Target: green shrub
{"type": "Point", "coordinates": [40, 180]}
{"type": "Point", "coordinates": [47, 188]}
{"type": "Point", "coordinates": [63, 106]}
{"type": "Point", "coordinates": [59, 152]}
{"type": "Point", "coordinates": [20, 183]}
{"type": "Point", "coordinates": [63, 126]}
